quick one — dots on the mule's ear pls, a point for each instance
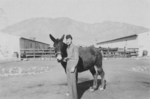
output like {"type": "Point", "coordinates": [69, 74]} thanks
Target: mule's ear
{"type": "Point", "coordinates": [52, 38]}
{"type": "Point", "coordinates": [62, 38]}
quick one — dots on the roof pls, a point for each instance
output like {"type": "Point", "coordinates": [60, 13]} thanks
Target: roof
{"type": "Point", "coordinates": [34, 40]}
{"type": "Point", "coordinates": [115, 36]}
{"type": "Point", "coordinates": [117, 39]}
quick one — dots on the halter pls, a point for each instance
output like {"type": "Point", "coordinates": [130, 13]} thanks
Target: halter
{"type": "Point", "coordinates": [59, 53]}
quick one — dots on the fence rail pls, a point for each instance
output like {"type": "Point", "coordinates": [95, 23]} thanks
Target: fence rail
{"type": "Point", "coordinates": [34, 53]}
{"type": "Point", "coordinates": [119, 52]}
{"type": "Point", "coordinates": [107, 52]}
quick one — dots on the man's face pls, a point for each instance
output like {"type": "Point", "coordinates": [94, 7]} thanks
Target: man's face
{"type": "Point", "coordinates": [68, 41]}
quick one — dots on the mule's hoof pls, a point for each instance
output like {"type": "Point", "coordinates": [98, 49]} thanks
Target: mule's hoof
{"type": "Point", "coordinates": [67, 94]}
{"type": "Point", "coordinates": [92, 89]}
{"type": "Point", "coordinates": [101, 89]}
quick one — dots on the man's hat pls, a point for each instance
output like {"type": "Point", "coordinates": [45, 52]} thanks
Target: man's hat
{"type": "Point", "coordinates": [69, 36]}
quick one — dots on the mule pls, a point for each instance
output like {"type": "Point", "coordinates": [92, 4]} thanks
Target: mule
{"type": "Point", "coordinates": [90, 58]}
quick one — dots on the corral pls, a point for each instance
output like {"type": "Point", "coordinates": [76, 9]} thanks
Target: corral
{"type": "Point", "coordinates": [12, 46]}
{"type": "Point", "coordinates": [135, 44]}
{"type": "Point", "coordinates": [126, 79]}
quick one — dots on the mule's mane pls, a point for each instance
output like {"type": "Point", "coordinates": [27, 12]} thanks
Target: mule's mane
{"type": "Point", "coordinates": [64, 51]}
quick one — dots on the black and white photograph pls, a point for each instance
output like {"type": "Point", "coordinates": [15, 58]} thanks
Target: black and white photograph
{"type": "Point", "coordinates": [74, 49]}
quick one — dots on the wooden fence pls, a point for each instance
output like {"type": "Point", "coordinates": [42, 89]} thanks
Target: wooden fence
{"type": "Point", "coordinates": [107, 52]}
{"type": "Point", "coordinates": [119, 52]}
{"type": "Point", "coordinates": [36, 53]}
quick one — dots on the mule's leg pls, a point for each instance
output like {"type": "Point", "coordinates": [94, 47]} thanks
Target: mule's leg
{"type": "Point", "coordinates": [94, 73]}
{"type": "Point", "coordinates": [102, 74]}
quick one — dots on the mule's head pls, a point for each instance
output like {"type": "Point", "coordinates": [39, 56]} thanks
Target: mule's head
{"type": "Point", "coordinates": [59, 47]}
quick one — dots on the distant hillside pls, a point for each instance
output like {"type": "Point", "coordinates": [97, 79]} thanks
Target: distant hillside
{"type": "Point", "coordinates": [83, 33]}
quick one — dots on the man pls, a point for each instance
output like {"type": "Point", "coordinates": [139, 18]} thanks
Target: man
{"type": "Point", "coordinates": [72, 61]}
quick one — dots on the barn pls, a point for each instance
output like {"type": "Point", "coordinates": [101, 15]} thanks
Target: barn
{"type": "Point", "coordinates": [137, 41]}
{"type": "Point", "coordinates": [12, 46]}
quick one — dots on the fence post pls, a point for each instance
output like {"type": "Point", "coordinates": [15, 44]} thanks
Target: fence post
{"type": "Point", "coordinates": [34, 53]}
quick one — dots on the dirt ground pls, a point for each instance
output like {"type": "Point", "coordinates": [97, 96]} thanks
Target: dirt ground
{"type": "Point", "coordinates": [126, 79]}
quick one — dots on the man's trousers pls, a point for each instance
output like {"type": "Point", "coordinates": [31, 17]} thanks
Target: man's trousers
{"type": "Point", "coordinates": [72, 80]}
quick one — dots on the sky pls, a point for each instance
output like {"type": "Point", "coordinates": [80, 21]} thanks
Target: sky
{"type": "Point", "coordinates": [136, 12]}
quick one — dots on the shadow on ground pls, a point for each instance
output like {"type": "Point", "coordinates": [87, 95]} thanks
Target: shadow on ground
{"type": "Point", "coordinates": [84, 86]}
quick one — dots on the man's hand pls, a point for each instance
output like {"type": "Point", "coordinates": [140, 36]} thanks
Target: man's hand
{"type": "Point", "coordinates": [65, 59]}
{"type": "Point", "coordinates": [72, 70]}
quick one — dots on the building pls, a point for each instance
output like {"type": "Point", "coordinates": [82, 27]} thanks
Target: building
{"type": "Point", "coordinates": [32, 44]}
{"type": "Point", "coordinates": [13, 46]}
{"type": "Point", "coordinates": [9, 44]}
{"type": "Point", "coordinates": [139, 41]}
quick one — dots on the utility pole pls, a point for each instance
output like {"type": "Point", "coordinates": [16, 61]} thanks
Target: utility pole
{"type": "Point", "coordinates": [3, 19]}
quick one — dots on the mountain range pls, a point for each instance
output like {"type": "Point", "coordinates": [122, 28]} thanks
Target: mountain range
{"type": "Point", "coordinates": [83, 33]}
